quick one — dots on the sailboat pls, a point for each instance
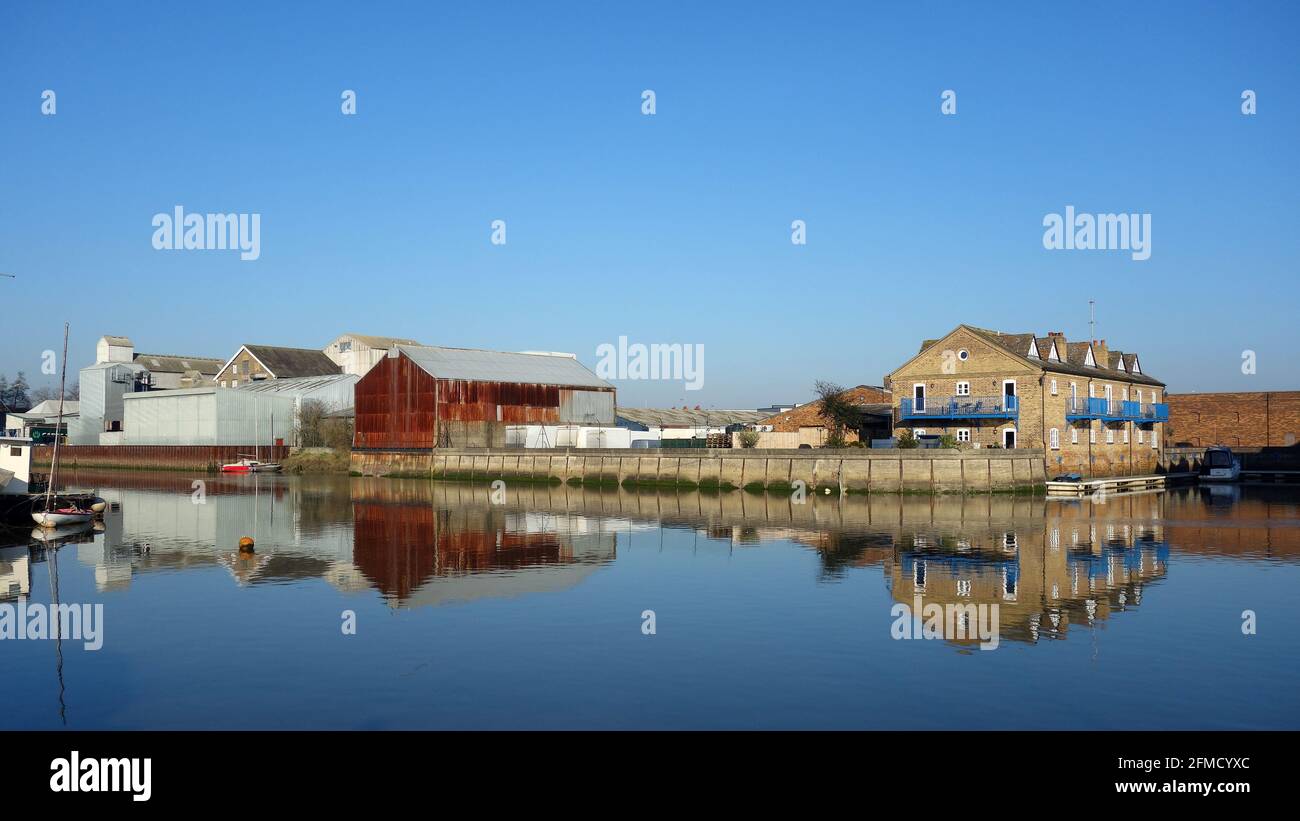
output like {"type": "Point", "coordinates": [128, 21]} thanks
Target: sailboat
{"type": "Point", "coordinates": [253, 464]}
{"type": "Point", "coordinates": [53, 511]}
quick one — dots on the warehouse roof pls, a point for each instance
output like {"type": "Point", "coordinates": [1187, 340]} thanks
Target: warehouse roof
{"type": "Point", "coordinates": [687, 417]}
{"type": "Point", "coordinates": [298, 384]}
{"type": "Point", "coordinates": [500, 366]}
{"type": "Point", "coordinates": [381, 341]}
{"type": "Point", "coordinates": [171, 363]}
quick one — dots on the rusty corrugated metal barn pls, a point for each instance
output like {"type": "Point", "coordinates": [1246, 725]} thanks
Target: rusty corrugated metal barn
{"type": "Point", "coordinates": [419, 398]}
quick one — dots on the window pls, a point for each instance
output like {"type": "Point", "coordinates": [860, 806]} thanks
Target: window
{"type": "Point", "coordinates": [963, 354]}
{"type": "Point", "coordinates": [1053, 387]}
{"type": "Point", "coordinates": [14, 450]}
{"type": "Point", "coordinates": [1074, 435]}
{"type": "Point", "coordinates": [344, 347]}
{"type": "Point", "coordinates": [963, 389]}
{"type": "Point", "coordinates": [1153, 438]}
{"type": "Point", "coordinates": [1126, 434]}
{"type": "Point", "coordinates": [1140, 435]}
{"type": "Point", "coordinates": [1054, 439]}
{"type": "Point", "coordinates": [919, 432]}
{"type": "Point", "coordinates": [963, 434]}
{"type": "Point", "coordinates": [1124, 393]}
{"type": "Point", "coordinates": [1092, 434]}
{"type": "Point", "coordinates": [223, 383]}
{"type": "Point", "coordinates": [1110, 436]}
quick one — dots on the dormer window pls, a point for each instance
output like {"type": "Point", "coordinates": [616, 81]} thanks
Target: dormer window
{"type": "Point", "coordinates": [1033, 350]}
{"type": "Point", "coordinates": [1088, 359]}
{"type": "Point", "coordinates": [1051, 352]}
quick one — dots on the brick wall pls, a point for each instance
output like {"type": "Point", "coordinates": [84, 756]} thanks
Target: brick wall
{"type": "Point", "coordinates": [1247, 419]}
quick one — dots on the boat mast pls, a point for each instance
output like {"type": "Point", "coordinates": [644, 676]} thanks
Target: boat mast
{"type": "Point", "coordinates": [58, 426]}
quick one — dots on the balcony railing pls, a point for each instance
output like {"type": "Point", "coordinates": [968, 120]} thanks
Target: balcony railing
{"type": "Point", "coordinates": [1116, 410]}
{"type": "Point", "coordinates": [961, 407]}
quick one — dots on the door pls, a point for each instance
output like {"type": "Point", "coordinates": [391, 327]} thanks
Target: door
{"type": "Point", "coordinates": [1009, 436]}
{"type": "Point", "coordinates": [918, 398]}
{"type": "Point", "coordinates": [1009, 394]}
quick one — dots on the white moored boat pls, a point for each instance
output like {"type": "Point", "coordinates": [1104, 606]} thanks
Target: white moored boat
{"type": "Point", "coordinates": [1220, 464]}
{"type": "Point", "coordinates": [53, 511]}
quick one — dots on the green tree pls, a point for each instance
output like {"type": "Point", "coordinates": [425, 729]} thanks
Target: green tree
{"type": "Point", "coordinates": [906, 440]}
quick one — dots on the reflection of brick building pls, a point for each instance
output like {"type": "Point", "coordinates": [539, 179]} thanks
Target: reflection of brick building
{"type": "Point", "coordinates": [1069, 571]}
{"type": "Point", "coordinates": [1248, 420]}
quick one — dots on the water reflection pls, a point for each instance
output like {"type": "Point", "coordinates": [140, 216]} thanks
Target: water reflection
{"type": "Point", "coordinates": [1049, 564]}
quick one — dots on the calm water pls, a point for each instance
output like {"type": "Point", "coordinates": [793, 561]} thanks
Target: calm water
{"type": "Point", "coordinates": [1126, 614]}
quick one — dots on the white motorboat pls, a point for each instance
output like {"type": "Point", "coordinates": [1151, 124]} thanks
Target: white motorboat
{"type": "Point", "coordinates": [1220, 464]}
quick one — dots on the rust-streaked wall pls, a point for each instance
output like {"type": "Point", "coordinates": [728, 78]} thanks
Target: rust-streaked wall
{"type": "Point", "coordinates": [400, 406]}
{"type": "Point", "coordinates": [167, 457]}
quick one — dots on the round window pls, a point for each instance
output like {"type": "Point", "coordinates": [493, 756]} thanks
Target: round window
{"type": "Point", "coordinates": [963, 354]}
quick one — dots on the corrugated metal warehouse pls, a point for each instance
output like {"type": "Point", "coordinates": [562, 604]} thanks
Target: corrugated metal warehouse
{"type": "Point", "coordinates": [418, 398]}
{"type": "Point", "coordinates": [208, 416]}
{"type": "Point", "coordinates": [334, 391]}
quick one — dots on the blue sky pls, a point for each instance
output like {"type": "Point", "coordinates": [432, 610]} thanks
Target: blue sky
{"type": "Point", "coordinates": [671, 228]}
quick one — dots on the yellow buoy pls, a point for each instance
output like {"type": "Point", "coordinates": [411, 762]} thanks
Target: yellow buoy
{"type": "Point", "coordinates": [245, 545]}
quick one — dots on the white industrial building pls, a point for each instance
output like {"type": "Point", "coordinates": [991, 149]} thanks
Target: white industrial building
{"type": "Point", "coordinates": [103, 385]}
{"type": "Point", "coordinates": [208, 416]}
{"type": "Point", "coordinates": [358, 353]}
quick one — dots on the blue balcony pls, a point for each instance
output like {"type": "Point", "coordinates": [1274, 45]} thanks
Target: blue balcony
{"type": "Point", "coordinates": [961, 407]}
{"type": "Point", "coordinates": [1111, 410]}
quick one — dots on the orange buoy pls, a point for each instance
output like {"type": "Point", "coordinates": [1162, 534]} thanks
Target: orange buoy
{"type": "Point", "coordinates": [245, 545]}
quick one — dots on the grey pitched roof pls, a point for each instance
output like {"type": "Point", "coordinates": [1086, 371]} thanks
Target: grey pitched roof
{"type": "Point", "coordinates": [285, 363]}
{"type": "Point", "coordinates": [1076, 355]}
{"type": "Point", "coordinates": [502, 366]}
{"type": "Point", "coordinates": [171, 363]}
{"type": "Point", "coordinates": [688, 417]}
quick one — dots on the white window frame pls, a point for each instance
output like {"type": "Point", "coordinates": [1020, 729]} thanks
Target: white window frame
{"type": "Point", "coordinates": [1054, 439]}
{"type": "Point", "coordinates": [961, 385]}
{"type": "Point", "coordinates": [1015, 437]}
{"type": "Point", "coordinates": [1110, 435]}
{"type": "Point", "coordinates": [925, 397]}
{"type": "Point", "coordinates": [1053, 387]}
{"type": "Point", "coordinates": [963, 354]}
{"type": "Point", "coordinates": [918, 432]}
{"type": "Point", "coordinates": [1153, 439]}
{"type": "Point", "coordinates": [1092, 434]}
{"type": "Point", "coordinates": [1074, 434]}
{"type": "Point", "coordinates": [1126, 434]}
{"type": "Point", "coordinates": [963, 434]}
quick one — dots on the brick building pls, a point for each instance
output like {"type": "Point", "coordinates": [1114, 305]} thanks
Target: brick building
{"type": "Point", "coordinates": [875, 420]}
{"type": "Point", "coordinates": [1246, 420]}
{"type": "Point", "coordinates": [1092, 410]}
{"type": "Point", "coordinates": [254, 363]}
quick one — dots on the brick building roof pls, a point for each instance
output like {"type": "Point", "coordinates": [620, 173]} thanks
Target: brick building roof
{"type": "Point", "coordinates": [808, 415]}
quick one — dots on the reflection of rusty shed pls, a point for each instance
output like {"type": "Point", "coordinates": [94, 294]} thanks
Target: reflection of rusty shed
{"type": "Point", "coordinates": [418, 398]}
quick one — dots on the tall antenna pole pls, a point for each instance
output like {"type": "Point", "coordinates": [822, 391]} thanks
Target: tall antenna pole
{"type": "Point", "coordinates": [1092, 319]}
